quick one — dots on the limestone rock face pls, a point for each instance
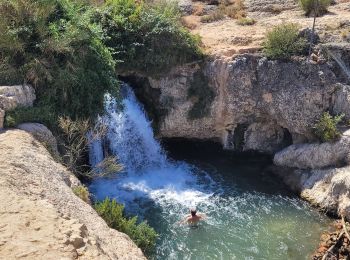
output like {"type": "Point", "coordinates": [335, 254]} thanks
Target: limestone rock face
{"type": "Point", "coordinates": [42, 134]}
{"type": "Point", "coordinates": [248, 90]}
{"type": "Point", "coordinates": [264, 138]}
{"type": "Point", "coordinates": [313, 156]}
{"type": "Point", "coordinates": [14, 96]}
{"type": "Point", "coordinates": [269, 5]}
{"type": "Point", "coordinates": [327, 188]}
{"type": "Point", "coordinates": [2, 118]}
{"type": "Point", "coordinates": [342, 100]}
{"type": "Point", "coordinates": [41, 217]}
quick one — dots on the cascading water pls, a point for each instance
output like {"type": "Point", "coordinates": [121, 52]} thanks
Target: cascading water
{"type": "Point", "coordinates": [247, 218]}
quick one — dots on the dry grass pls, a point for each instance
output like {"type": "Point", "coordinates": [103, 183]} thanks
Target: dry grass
{"type": "Point", "coordinates": [234, 9]}
{"type": "Point", "coordinates": [274, 9]}
{"type": "Point", "coordinates": [82, 192]}
{"type": "Point", "coordinates": [245, 21]}
{"type": "Point", "coordinates": [191, 22]}
{"type": "Point", "coordinates": [215, 16]}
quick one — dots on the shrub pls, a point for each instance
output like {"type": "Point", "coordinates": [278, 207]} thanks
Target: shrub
{"type": "Point", "coordinates": [326, 127]}
{"type": "Point", "coordinates": [235, 10]}
{"type": "Point", "coordinates": [42, 114]}
{"type": "Point", "coordinates": [82, 192]}
{"type": "Point", "coordinates": [147, 37]}
{"type": "Point", "coordinates": [283, 41]}
{"type": "Point", "coordinates": [312, 6]}
{"type": "Point", "coordinates": [142, 234]}
{"type": "Point", "coordinates": [54, 46]}
{"type": "Point", "coordinates": [76, 136]}
{"type": "Point", "coordinates": [245, 21]}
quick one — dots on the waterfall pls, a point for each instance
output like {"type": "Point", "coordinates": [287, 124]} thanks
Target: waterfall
{"type": "Point", "coordinates": [242, 223]}
{"type": "Point", "coordinates": [131, 135]}
{"type": "Point", "coordinates": [95, 151]}
{"type": "Point", "coordinates": [148, 172]}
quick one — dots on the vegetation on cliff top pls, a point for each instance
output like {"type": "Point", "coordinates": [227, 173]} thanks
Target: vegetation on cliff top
{"type": "Point", "coordinates": [142, 234]}
{"type": "Point", "coordinates": [284, 41]}
{"type": "Point", "coordinates": [312, 7]}
{"type": "Point", "coordinates": [147, 37]}
{"type": "Point", "coordinates": [69, 50]}
{"type": "Point", "coordinates": [326, 127]}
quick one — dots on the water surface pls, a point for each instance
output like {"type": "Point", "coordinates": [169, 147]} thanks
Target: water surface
{"type": "Point", "coordinates": [251, 215]}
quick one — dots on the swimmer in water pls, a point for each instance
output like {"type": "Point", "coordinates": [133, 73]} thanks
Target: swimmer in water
{"type": "Point", "coordinates": [193, 218]}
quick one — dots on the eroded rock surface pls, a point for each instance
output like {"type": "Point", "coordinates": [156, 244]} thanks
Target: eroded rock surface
{"type": "Point", "coordinates": [15, 96]}
{"type": "Point", "coordinates": [41, 217]}
{"type": "Point", "coordinates": [328, 188]}
{"type": "Point", "coordinates": [283, 98]}
{"type": "Point", "coordinates": [315, 156]}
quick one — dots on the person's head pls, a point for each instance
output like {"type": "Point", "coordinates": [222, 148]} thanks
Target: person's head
{"type": "Point", "coordinates": [193, 212]}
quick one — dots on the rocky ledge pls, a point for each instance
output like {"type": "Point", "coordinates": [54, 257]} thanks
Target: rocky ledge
{"type": "Point", "coordinates": [320, 173]}
{"type": "Point", "coordinates": [41, 217]}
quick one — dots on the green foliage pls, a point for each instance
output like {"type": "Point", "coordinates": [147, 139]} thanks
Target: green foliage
{"type": "Point", "coordinates": [246, 21]}
{"type": "Point", "coordinates": [54, 46]}
{"type": "Point", "coordinates": [82, 192]}
{"type": "Point", "coordinates": [147, 38]}
{"type": "Point", "coordinates": [40, 114]}
{"type": "Point", "coordinates": [142, 234]}
{"type": "Point", "coordinates": [326, 127]}
{"type": "Point", "coordinates": [312, 6]}
{"type": "Point", "coordinates": [283, 41]}
{"type": "Point", "coordinates": [201, 95]}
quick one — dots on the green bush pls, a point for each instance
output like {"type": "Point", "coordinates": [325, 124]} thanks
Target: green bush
{"type": "Point", "coordinates": [147, 38]}
{"type": "Point", "coordinates": [312, 6]}
{"type": "Point", "coordinates": [54, 46]}
{"type": "Point", "coordinates": [326, 127]}
{"type": "Point", "coordinates": [283, 41]}
{"type": "Point", "coordinates": [142, 234]}
{"type": "Point", "coordinates": [43, 115]}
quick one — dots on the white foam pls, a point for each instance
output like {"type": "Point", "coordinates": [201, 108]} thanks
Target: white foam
{"type": "Point", "coordinates": [149, 174]}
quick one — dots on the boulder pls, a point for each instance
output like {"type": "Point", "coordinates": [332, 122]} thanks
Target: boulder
{"type": "Point", "coordinates": [14, 96]}
{"type": "Point", "coordinates": [315, 156]}
{"type": "Point", "coordinates": [328, 189]}
{"type": "Point", "coordinates": [43, 135]}
{"type": "Point", "coordinates": [41, 217]}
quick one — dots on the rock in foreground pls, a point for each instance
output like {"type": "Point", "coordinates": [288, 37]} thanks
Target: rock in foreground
{"type": "Point", "coordinates": [41, 218]}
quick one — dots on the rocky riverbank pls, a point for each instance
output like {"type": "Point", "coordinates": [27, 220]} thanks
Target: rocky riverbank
{"type": "Point", "coordinates": [41, 217]}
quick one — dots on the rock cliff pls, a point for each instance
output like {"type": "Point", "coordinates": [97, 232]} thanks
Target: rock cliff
{"type": "Point", "coordinates": [15, 96]}
{"type": "Point", "coordinates": [41, 218]}
{"type": "Point", "coordinates": [249, 102]}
